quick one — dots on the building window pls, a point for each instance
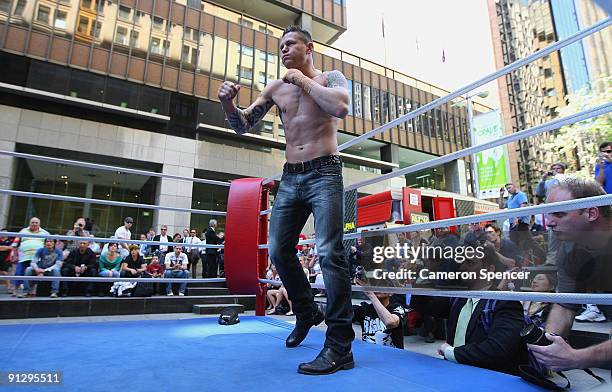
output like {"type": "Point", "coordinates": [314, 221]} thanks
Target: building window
{"type": "Point", "coordinates": [367, 109]}
{"type": "Point", "coordinates": [20, 7]}
{"type": "Point", "coordinates": [245, 73]}
{"type": "Point", "coordinates": [122, 36]}
{"type": "Point", "coordinates": [270, 57]}
{"type": "Point", "coordinates": [60, 19]}
{"type": "Point", "coordinates": [189, 55]}
{"type": "Point", "coordinates": [400, 111]}
{"type": "Point", "coordinates": [392, 107]}
{"type": "Point", "coordinates": [83, 24]}
{"type": "Point", "coordinates": [158, 23]}
{"type": "Point", "coordinates": [5, 5]}
{"type": "Point", "coordinates": [245, 22]}
{"type": "Point", "coordinates": [246, 50]}
{"type": "Point", "coordinates": [385, 106]}
{"type": "Point", "coordinates": [156, 46]}
{"type": "Point", "coordinates": [43, 14]}
{"type": "Point", "coordinates": [190, 34]}
{"type": "Point", "coordinates": [134, 38]}
{"type": "Point", "coordinates": [376, 105]}
{"type": "Point", "coordinates": [262, 78]}
{"type": "Point", "coordinates": [267, 127]}
{"type": "Point", "coordinates": [124, 12]}
{"type": "Point", "coordinates": [357, 100]}
{"type": "Point", "coordinates": [138, 17]}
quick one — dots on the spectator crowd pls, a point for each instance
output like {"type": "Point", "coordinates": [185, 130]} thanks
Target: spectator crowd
{"type": "Point", "coordinates": [40, 256]}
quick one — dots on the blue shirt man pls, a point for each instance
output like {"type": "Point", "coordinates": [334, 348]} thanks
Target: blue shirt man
{"type": "Point", "coordinates": [516, 199]}
{"type": "Point", "coordinates": [604, 177]}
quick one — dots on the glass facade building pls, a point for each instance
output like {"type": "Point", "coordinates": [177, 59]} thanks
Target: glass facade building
{"type": "Point", "coordinates": [136, 82]}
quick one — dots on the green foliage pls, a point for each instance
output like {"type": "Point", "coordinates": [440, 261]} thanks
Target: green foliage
{"type": "Point", "coordinates": [583, 138]}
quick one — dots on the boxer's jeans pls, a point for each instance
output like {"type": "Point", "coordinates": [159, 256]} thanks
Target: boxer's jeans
{"type": "Point", "coordinates": [319, 191]}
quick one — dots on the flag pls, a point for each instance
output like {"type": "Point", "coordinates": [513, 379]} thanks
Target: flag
{"type": "Point", "coordinates": [443, 56]}
{"type": "Point", "coordinates": [383, 26]}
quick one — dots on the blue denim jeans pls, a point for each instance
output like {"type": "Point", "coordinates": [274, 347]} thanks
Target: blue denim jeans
{"type": "Point", "coordinates": [321, 192]}
{"type": "Point", "coordinates": [176, 274]}
{"type": "Point", "coordinates": [55, 285]}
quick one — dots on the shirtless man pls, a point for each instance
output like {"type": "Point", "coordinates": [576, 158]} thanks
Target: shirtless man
{"type": "Point", "coordinates": [310, 103]}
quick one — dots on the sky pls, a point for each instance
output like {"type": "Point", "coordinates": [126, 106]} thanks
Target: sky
{"type": "Point", "coordinates": [416, 34]}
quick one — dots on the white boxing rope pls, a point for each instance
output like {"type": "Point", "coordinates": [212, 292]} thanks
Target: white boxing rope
{"type": "Point", "coordinates": [98, 166]}
{"type": "Point", "coordinates": [107, 202]}
{"type": "Point", "coordinates": [12, 234]}
{"type": "Point", "coordinates": [571, 298]}
{"type": "Point", "coordinates": [546, 127]}
{"type": "Point", "coordinates": [594, 201]}
{"type": "Point", "coordinates": [493, 76]}
{"type": "Point", "coordinates": [101, 279]}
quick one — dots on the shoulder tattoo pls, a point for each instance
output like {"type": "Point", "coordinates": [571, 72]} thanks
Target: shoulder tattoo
{"type": "Point", "coordinates": [336, 79]}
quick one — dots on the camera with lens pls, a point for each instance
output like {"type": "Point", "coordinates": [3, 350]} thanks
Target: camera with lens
{"type": "Point", "coordinates": [532, 334]}
{"type": "Point", "coordinates": [360, 273]}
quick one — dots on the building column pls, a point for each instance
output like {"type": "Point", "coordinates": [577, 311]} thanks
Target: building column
{"type": "Point", "coordinates": [88, 194]}
{"type": "Point", "coordinates": [173, 193]}
{"type": "Point", "coordinates": [455, 177]}
{"type": "Point", "coordinates": [390, 153]}
{"type": "Point", "coordinates": [305, 22]}
{"type": "Point", "coordinates": [8, 165]}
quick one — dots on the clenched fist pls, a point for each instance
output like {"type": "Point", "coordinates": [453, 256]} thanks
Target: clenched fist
{"type": "Point", "coordinates": [294, 76]}
{"type": "Point", "coordinates": [228, 91]}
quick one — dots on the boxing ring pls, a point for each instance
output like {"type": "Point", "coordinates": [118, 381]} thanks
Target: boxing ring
{"type": "Point", "coordinates": [199, 352]}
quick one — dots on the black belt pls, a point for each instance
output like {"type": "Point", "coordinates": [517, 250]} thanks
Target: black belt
{"type": "Point", "coordinates": [301, 167]}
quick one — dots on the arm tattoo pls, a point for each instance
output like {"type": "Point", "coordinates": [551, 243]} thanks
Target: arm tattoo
{"type": "Point", "coordinates": [336, 79]}
{"type": "Point", "coordinates": [242, 121]}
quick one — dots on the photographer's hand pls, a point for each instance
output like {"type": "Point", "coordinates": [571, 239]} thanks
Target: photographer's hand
{"type": "Point", "coordinates": [557, 356]}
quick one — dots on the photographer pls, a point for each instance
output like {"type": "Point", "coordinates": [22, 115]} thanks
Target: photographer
{"type": "Point", "coordinates": [382, 321]}
{"type": "Point", "coordinates": [549, 179]}
{"type": "Point", "coordinates": [78, 230]}
{"type": "Point", "coordinates": [583, 262]}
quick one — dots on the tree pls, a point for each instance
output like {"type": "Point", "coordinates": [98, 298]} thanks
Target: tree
{"type": "Point", "coordinates": [581, 140]}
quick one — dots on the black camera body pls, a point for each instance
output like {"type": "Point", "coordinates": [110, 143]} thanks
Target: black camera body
{"type": "Point", "coordinates": [532, 334]}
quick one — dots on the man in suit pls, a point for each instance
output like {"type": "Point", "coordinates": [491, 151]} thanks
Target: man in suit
{"type": "Point", "coordinates": [210, 263]}
{"type": "Point", "coordinates": [161, 250]}
{"type": "Point", "coordinates": [481, 332]}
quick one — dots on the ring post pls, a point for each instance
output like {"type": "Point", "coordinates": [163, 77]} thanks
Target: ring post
{"type": "Point", "coordinates": [245, 263]}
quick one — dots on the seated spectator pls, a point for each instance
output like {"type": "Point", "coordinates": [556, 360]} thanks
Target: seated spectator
{"type": "Point", "coordinates": [507, 251]}
{"type": "Point", "coordinates": [535, 311]}
{"type": "Point", "coordinates": [134, 265]}
{"type": "Point", "coordinates": [6, 250]}
{"type": "Point", "coordinates": [46, 262]}
{"type": "Point", "coordinates": [283, 290]}
{"type": "Point", "coordinates": [272, 291]}
{"type": "Point", "coordinates": [482, 332]}
{"type": "Point", "coordinates": [154, 268]}
{"type": "Point", "coordinates": [145, 249]}
{"type": "Point", "coordinates": [382, 321]}
{"type": "Point", "coordinates": [176, 266]}
{"type": "Point", "coordinates": [80, 262]}
{"type": "Point", "coordinates": [110, 262]}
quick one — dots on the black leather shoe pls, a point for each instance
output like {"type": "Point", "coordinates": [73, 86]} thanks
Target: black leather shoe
{"type": "Point", "coordinates": [301, 329]}
{"type": "Point", "coordinates": [327, 362]}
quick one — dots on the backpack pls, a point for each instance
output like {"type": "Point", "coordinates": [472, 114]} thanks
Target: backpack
{"type": "Point", "coordinates": [143, 289]}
